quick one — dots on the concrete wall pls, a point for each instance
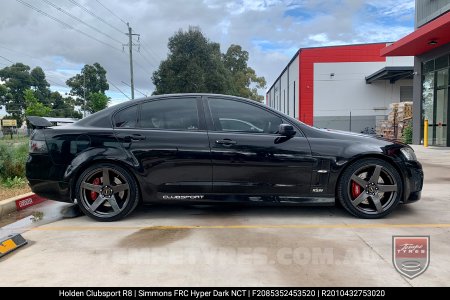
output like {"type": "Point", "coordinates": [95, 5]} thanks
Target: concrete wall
{"type": "Point", "coordinates": [345, 93]}
{"type": "Point", "coordinates": [347, 123]}
{"type": "Point", "coordinates": [283, 92]}
{"type": "Point", "coordinates": [283, 95]}
{"type": "Point", "coordinates": [293, 88]}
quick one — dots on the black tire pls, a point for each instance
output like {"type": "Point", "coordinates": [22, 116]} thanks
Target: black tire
{"type": "Point", "coordinates": [367, 195]}
{"type": "Point", "coordinates": [106, 200]}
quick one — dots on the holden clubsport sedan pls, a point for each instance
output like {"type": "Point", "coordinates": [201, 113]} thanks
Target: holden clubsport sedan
{"type": "Point", "coordinates": [206, 148]}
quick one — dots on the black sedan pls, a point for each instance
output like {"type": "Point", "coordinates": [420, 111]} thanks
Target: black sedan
{"type": "Point", "coordinates": [207, 148]}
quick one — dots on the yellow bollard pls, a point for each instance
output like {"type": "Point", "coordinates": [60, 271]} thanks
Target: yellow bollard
{"type": "Point", "coordinates": [425, 133]}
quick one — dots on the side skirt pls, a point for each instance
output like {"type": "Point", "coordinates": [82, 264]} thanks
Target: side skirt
{"type": "Point", "coordinates": [250, 199]}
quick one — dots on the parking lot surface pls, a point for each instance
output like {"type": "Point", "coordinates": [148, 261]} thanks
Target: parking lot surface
{"type": "Point", "coordinates": [236, 245]}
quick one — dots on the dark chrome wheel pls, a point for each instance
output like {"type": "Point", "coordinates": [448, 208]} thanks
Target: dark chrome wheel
{"type": "Point", "coordinates": [106, 192]}
{"type": "Point", "coordinates": [370, 188]}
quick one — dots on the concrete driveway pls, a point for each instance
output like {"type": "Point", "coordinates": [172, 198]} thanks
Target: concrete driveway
{"type": "Point", "coordinates": [239, 246]}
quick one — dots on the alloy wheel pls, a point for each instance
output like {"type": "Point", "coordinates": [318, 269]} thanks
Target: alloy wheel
{"type": "Point", "coordinates": [104, 192]}
{"type": "Point", "coordinates": [372, 189]}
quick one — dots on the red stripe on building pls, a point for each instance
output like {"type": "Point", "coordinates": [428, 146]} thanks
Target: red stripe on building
{"type": "Point", "coordinates": [335, 54]}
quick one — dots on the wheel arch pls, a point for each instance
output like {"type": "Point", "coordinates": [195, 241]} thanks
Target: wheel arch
{"type": "Point", "coordinates": [381, 156]}
{"type": "Point", "coordinates": [81, 168]}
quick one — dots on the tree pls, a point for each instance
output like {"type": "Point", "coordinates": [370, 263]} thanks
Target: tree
{"type": "Point", "coordinates": [92, 79]}
{"type": "Point", "coordinates": [17, 79]}
{"type": "Point", "coordinates": [40, 85]}
{"type": "Point", "coordinates": [244, 81]}
{"type": "Point", "coordinates": [96, 102]}
{"type": "Point", "coordinates": [194, 64]}
{"type": "Point", "coordinates": [63, 106]}
{"type": "Point", "coordinates": [34, 107]}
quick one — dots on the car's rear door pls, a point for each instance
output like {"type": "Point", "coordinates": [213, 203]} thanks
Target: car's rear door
{"type": "Point", "coordinates": [170, 143]}
{"type": "Point", "coordinates": [254, 159]}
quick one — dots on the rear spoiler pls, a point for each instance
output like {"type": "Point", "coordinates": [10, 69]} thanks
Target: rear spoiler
{"type": "Point", "coordinates": [38, 122]}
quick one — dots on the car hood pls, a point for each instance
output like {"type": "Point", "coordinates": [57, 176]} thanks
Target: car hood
{"type": "Point", "coordinates": [354, 137]}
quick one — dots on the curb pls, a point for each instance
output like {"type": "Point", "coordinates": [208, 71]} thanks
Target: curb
{"type": "Point", "coordinates": [19, 203]}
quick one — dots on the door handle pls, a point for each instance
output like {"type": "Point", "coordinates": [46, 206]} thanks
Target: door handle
{"type": "Point", "coordinates": [226, 142]}
{"type": "Point", "coordinates": [133, 138]}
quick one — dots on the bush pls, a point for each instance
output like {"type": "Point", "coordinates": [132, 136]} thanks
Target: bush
{"type": "Point", "coordinates": [407, 134]}
{"type": "Point", "coordinates": [13, 182]}
{"type": "Point", "coordinates": [12, 161]}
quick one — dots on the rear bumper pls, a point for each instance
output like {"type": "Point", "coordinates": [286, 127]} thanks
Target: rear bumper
{"type": "Point", "coordinates": [47, 179]}
{"type": "Point", "coordinates": [53, 190]}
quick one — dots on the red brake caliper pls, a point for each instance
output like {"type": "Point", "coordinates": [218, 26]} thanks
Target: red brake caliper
{"type": "Point", "coordinates": [94, 195]}
{"type": "Point", "coordinates": [356, 190]}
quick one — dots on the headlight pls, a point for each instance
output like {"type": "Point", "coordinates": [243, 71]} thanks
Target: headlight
{"type": "Point", "coordinates": [408, 153]}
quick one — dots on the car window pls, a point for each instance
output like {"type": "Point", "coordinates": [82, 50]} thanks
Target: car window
{"type": "Point", "coordinates": [126, 118]}
{"type": "Point", "coordinates": [171, 114]}
{"type": "Point", "coordinates": [236, 116]}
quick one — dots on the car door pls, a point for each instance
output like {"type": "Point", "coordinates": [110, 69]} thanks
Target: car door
{"type": "Point", "coordinates": [248, 155]}
{"type": "Point", "coordinates": [170, 143]}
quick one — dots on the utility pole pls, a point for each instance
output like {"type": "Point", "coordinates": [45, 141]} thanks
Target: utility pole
{"type": "Point", "coordinates": [84, 94]}
{"type": "Point", "coordinates": [130, 47]}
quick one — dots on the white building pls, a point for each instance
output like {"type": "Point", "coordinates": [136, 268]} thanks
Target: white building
{"type": "Point", "coordinates": [342, 87]}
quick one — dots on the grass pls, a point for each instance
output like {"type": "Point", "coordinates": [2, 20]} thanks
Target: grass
{"type": "Point", "coordinates": [6, 141]}
{"type": "Point", "coordinates": [13, 155]}
{"type": "Point", "coordinates": [6, 193]}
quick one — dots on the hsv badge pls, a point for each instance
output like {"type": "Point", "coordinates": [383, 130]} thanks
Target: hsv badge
{"type": "Point", "coordinates": [411, 254]}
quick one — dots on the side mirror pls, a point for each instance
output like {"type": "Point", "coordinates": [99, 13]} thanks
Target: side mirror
{"type": "Point", "coordinates": [286, 130]}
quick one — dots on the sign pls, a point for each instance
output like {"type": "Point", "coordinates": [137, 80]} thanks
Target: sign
{"type": "Point", "coordinates": [28, 201]}
{"type": "Point", "coordinates": [9, 123]}
{"type": "Point", "coordinates": [411, 254]}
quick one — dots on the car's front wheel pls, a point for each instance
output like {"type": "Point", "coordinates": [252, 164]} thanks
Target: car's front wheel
{"type": "Point", "coordinates": [107, 192]}
{"type": "Point", "coordinates": [370, 188]}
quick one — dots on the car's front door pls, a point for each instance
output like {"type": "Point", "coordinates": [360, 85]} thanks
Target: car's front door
{"type": "Point", "coordinates": [170, 143]}
{"type": "Point", "coordinates": [249, 156]}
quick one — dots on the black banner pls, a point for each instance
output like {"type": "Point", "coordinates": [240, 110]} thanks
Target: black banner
{"type": "Point", "coordinates": [224, 293]}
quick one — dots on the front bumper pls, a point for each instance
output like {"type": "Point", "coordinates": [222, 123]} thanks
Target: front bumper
{"type": "Point", "coordinates": [413, 183]}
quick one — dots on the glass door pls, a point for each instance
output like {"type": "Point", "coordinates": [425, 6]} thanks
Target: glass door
{"type": "Point", "coordinates": [441, 117]}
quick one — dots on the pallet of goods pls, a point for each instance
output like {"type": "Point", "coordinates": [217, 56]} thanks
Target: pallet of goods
{"type": "Point", "coordinates": [399, 117]}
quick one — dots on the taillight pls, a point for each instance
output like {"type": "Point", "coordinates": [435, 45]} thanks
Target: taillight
{"type": "Point", "coordinates": [38, 146]}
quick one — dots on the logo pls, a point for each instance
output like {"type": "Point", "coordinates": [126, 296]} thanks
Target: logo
{"type": "Point", "coordinates": [183, 197]}
{"type": "Point", "coordinates": [411, 254]}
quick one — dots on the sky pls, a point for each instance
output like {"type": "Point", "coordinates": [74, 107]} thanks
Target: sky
{"type": "Point", "coordinates": [61, 36]}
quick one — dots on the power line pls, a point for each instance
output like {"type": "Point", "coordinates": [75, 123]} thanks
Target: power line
{"type": "Point", "coordinates": [150, 52]}
{"type": "Point", "coordinates": [79, 20]}
{"type": "Point", "coordinates": [119, 90]}
{"type": "Point", "coordinates": [46, 75]}
{"type": "Point", "coordinates": [145, 95]}
{"type": "Point", "coordinates": [65, 24]}
{"type": "Point", "coordinates": [6, 59]}
{"type": "Point", "coordinates": [95, 16]}
{"type": "Point", "coordinates": [111, 12]}
{"type": "Point", "coordinates": [145, 58]}
{"type": "Point", "coordinates": [22, 53]}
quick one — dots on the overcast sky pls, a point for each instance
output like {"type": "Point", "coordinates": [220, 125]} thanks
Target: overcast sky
{"type": "Point", "coordinates": [270, 30]}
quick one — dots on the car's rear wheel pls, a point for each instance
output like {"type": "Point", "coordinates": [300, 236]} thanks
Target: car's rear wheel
{"type": "Point", "coordinates": [370, 188]}
{"type": "Point", "coordinates": [107, 192]}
